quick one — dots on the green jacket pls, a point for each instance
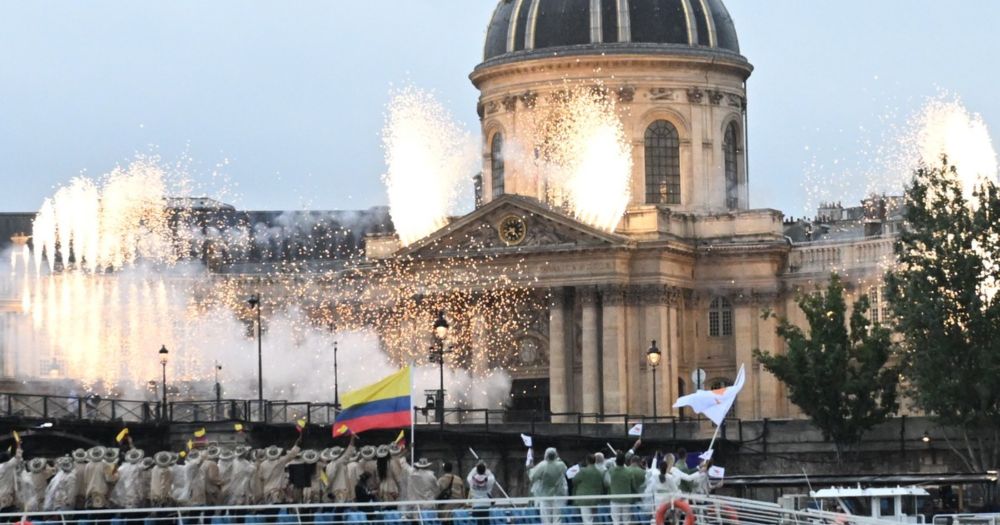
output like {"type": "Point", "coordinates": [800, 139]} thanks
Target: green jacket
{"type": "Point", "coordinates": [638, 478]}
{"type": "Point", "coordinates": [621, 481]}
{"type": "Point", "coordinates": [588, 482]}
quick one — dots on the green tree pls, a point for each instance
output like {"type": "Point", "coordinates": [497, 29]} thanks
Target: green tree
{"type": "Point", "coordinates": [943, 295]}
{"type": "Point", "coordinates": [838, 373]}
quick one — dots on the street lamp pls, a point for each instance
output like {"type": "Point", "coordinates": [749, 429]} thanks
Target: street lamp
{"type": "Point", "coordinates": [653, 358]}
{"type": "Point", "coordinates": [163, 362]}
{"type": "Point", "coordinates": [254, 302]}
{"type": "Point", "coordinates": [336, 387]}
{"type": "Point", "coordinates": [441, 328]}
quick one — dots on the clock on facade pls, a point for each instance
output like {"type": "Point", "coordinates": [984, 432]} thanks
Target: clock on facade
{"type": "Point", "coordinates": [512, 230]}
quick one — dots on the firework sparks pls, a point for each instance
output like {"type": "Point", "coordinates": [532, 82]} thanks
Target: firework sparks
{"type": "Point", "coordinates": [429, 158]}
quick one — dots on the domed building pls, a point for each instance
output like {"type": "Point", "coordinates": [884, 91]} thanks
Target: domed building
{"type": "Point", "coordinates": [689, 265]}
{"type": "Point", "coordinates": [673, 67]}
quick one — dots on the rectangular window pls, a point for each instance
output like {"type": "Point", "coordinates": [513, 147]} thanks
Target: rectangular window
{"type": "Point", "coordinates": [713, 323]}
{"type": "Point", "coordinates": [727, 322]}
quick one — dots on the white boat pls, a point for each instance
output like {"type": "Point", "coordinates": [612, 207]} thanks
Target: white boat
{"type": "Point", "coordinates": [888, 504]}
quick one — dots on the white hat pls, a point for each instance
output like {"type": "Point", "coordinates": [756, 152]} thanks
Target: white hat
{"type": "Point", "coordinates": [367, 452]}
{"type": "Point", "coordinates": [148, 462]}
{"type": "Point", "coordinates": [65, 463]}
{"type": "Point", "coordinates": [227, 455]}
{"type": "Point", "coordinates": [310, 456]}
{"type": "Point", "coordinates": [36, 465]}
{"type": "Point", "coordinates": [213, 452]}
{"type": "Point", "coordinates": [272, 452]}
{"type": "Point", "coordinates": [193, 455]}
{"type": "Point", "coordinates": [80, 455]}
{"type": "Point", "coordinates": [395, 449]}
{"type": "Point", "coordinates": [111, 454]}
{"type": "Point", "coordinates": [96, 454]}
{"type": "Point", "coordinates": [134, 456]}
{"type": "Point", "coordinates": [325, 455]}
{"type": "Point", "coordinates": [382, 451]}
{"type": "Point", "coordinates": [422, 463]}
{"type": "Point", "coordinates": [163, 458]}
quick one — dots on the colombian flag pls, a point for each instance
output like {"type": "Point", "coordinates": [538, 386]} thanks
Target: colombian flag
{"type": "Point", "coordinates": [385, 404]}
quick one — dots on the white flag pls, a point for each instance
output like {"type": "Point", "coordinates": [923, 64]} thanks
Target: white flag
{"type": "Point", "coordinates": [529, 459]}
{"type": "Point", "coordinates": [573, 471]}
{"type": "Point", "coordinates": [707, 455]}
{"type": "Point", "coordinates": [714, 404]}
{"type": "Point", "coordinates": [636, 430]}
{"type": "Point", "coordinates": [716, 472]}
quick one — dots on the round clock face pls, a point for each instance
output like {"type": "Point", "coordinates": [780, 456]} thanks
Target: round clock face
{"type": "Point", "coordinates": [512, 230]}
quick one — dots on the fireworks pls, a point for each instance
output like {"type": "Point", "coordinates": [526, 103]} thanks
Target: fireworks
{"type": "Point", "coordinates": [428, 158]}
{"type": "Point", "coordinates": [118, 271]}
{"type": "Point", "coordinates": [577, 149]}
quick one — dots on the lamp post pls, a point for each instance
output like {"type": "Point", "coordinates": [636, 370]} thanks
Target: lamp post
{"type": "Point", "coordinates": [254, 302]}
{"type": "Point", "coordinates": [336, 387]}
{"type": "Point", "coordinates": [653, 358]}
{"type": "Point", "coordinates": [437, 354]}
{"type": "Point", "coordinates": [163, 362]}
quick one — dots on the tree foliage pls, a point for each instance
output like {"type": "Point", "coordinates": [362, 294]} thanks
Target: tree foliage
{"type": "Point", "coordinates": [838, 373]}
{"type": "Point", "coordinates": [943, 295]}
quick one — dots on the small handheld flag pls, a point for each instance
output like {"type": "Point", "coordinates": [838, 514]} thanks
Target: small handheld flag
{"type": "Point", "coordinates": [122, 435]}
{"type": "Point", "coordinates": [300, 425]}
{"type": "Point", "coordinates": [17, 437]}
{"type": "Point", "coordinates": [238, 427]}
{"type": "Point", "coordinates": [190, 444]}
{"type": "Point", "coordinates": [400, 439]}
{"type": "Point", "coordinates": [716, 472]}
{"type": "Point", "coordinates": [340, 430]}
{"type": "Point", "coordinates": [182, 454]}
{"type": "Point", "coordinates": [636, 430]}
{"type": "Point", "coordinates": [324, 478]}
{"type": "Point", "coordinates": [200, 433]}
{"type": "Point", "coordinates": [526, 439]}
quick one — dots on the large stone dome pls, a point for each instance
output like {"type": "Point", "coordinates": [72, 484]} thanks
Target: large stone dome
{"type": "Point", "coordinates": [526, 28]}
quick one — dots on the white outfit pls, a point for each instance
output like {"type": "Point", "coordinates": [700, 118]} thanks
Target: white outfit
{"type": "Point", "coordinates": [480, 487]}
{"type": "Point", "coordinates": [9, 481]}
{"type": "Point", "coordinates": [237, 485]}
{"type": "Point", "coordinates": [127, 493]}
{"type": "Point", "coordinates": [61, 492]}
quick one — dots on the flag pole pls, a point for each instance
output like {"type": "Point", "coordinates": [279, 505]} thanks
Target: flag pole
{"type": "Point", "coordinates": [413, 421]}
{"type": "Point", "coordinates": [715, 435]}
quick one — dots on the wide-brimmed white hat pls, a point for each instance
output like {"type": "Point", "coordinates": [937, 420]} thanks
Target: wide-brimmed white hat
{"type": "Point", "coordinates": [272, 452]}
{"type": "Point", "coordinates": [310, 456]}
{"type": "Point", "coordinates": [356, 456]}
{"type": "Point", "coordinates": [163, 458]}
{"type": "Point", "coordinates": [96, 453]}
{"type": "Point", "coordinates": [36, 465]}
{"type": "Point", "coordinates": [227, 455]}
{"type": "Point", "coordinates": [148, 462]}
{"type": "Point", "coordinates": [395, 449]}
{"type": "Point", "coordinates": [326, 455]}
{"type": "Point", "coordinates": [213, 452]}
{"type": "Point", "coordinates": [382, 451]}
{"type": "Point", "coordinates": [80, 455]}
{"type": "Point", "coordinates": [367, 452]}
{"type": "Point", "coordinates": [194, 455]}
{"type": "Point", "coordinates": [65, 463]}
{"type": "Point", "coordinates": [422, 463]}
{"type": "Point", "coordinates": [134, 455]}
{"type": "Point", "coordinates": [111, 454]}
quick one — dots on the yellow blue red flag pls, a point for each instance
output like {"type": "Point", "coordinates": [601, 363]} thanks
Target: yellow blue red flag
{"type": "Point", "coordinates": [386, 404]}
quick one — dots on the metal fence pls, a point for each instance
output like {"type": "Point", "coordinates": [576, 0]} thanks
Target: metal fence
{"type": "Point", "coordinates": [511, 511]}
{"type": "Point", "coordinates": [94, 408]}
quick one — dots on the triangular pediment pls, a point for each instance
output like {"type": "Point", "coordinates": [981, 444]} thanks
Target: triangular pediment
{"type": "Point", "coordinates": [512, 224]}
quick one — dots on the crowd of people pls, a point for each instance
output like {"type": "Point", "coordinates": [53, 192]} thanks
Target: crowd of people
{"type": "Point", "coordinates": [638, 484]}
{"type": "Point", "coordinates": [126, 478]}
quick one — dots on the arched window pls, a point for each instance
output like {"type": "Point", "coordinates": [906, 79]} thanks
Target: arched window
{"type": "Point", "coordinates": [663, 164]}
{"type": "Point", "coordinates": [720, 318]}
{"type": "Point", "coordinates": [496, 164]}
{"type": "Point", "coordinates": [729, 148]}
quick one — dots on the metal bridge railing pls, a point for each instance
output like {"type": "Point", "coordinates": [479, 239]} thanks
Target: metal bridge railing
{"type": "Point", "coordinates": [628, 510]}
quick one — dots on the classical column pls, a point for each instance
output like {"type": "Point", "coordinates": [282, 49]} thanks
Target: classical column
{"type": "Point", "coordinates": [745, 333]}
{"type": "Point", "coordinates": [588, 340]}
{"type": "Point", "coordinates": [613, 350]}
{"type": "Point", "coordinates": [558, 396]}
